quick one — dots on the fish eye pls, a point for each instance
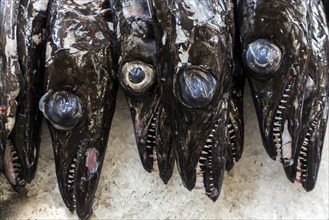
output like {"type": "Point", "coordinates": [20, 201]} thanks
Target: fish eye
{"type": "Point", "coordinates": [196, 87]}
{"type": "Point", "coordinates": [137, 77]}
{"type": "Point", "coordinates": [263, 57]}
{"type": "Point", "coordinates": [62, 109]}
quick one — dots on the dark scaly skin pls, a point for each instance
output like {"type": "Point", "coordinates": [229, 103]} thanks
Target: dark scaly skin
{"type": "Point", "coordinates": [10, 85]}
{"type": "Point", "coordinates": [204, 47]}
{"type": "Point", "coordinates": [138, 44]}
{"type": "Point", "coordinates": [80, 75]}
{"type": "Point", "coordinates": [278, 96]}
{"type": "Point", "coordinates": [25, 135]}
{"type": "Point", "coordinates": [316, 104]}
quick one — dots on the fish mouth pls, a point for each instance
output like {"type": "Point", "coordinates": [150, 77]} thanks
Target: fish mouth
{"type": "Point", "coordinates": [282, 140]}
{"type": "Point", "coordinates": [155, 144]}
{"type": "Point", "coordinates": [13, 167]}
{"type": "Point", "coordinates": [204, 162]}
{"type": "Point", "coordinates": [308, 156]}
{"type": "Point", "coordinates": [235, 136]}
{"type": "Point", "coordinates": [207, 166]}
{"type": "Point", "coordinates": [78, 180]}
{"type": "Point", "coordinates": [303, 160]}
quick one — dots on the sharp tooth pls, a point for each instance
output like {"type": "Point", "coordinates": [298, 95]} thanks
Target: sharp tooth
{"type": "Point", "coordinates": [204, 152]}
{"type": "Point", "coordinates": [281, 107]}
{"type": "Point", "coordinates": [278, 118]}
{"type": "Point", "coordinates": [202, 158]}
{"type": "Point", "coordinates": [15, 158]}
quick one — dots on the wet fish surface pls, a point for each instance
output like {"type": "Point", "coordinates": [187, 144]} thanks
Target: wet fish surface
{"type": "Point", "coordinates": [80, 96]}
{"type": "Point", "coordinates": [195, 41]}
{"type": "Point", "coordinates": [138, 78]}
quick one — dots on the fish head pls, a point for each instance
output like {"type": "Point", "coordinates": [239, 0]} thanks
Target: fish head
{"type": "Point", "coordinates": [195, 66]}
{"type": "Point", "coordinates": [80, 99]}
{"type": "Point", "coordinates": [307, 159]}
{"type": "Point", "coordinates": [139, 79]}
{"type": "Point", "coordinates": [275, 63]}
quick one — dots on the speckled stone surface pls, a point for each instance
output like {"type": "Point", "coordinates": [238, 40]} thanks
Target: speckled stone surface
{"type": "Point", "coordinates": [256, 188]}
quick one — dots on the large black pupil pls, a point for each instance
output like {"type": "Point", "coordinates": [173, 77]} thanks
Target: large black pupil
{"type": "Point", "coordinates": [136, 75]}
{"type": "Point", "coordinates": [64, 109]}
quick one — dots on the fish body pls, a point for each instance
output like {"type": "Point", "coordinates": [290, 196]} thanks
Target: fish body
{"type": "Point", "coordinates": [195, 41]}
{"type": "Point", "coordinates": [138, 78]}
{"type": "Point", "coordinates": [80, 96]}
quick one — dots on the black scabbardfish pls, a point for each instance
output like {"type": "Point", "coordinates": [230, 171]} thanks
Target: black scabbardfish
{"type": "Point", "coordinates": [276, 65]}
{"type": "Point", "coordinates": [195, 42]}
{"type": "Point", "coordinates": [316, 103]}
{"type": "Point", "coordinates": [288, 74]}
{"type": "Point", "coordinates": [25, 136]}
{"type": "Point", "coordinates": [80, 96]}
{"type": "Point", "coordinates": [138, 77]}
{"type": "Point", "coordinates": [10, 85]}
